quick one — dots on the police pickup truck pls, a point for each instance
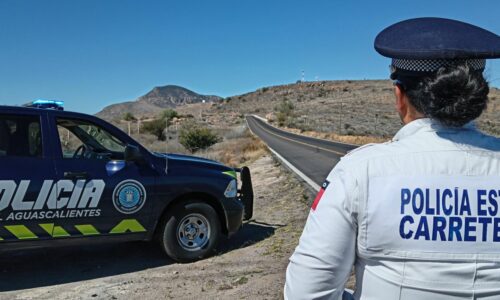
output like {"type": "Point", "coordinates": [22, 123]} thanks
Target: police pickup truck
{"type": "Point", "coordinates": [70, 178]}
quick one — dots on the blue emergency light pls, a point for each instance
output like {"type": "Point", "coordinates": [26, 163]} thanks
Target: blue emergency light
{"type": "Point", "coordinates": [40, 103]}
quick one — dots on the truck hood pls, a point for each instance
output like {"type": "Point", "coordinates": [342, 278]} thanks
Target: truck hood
{"type": "Point", "coordinates": [193, 160]}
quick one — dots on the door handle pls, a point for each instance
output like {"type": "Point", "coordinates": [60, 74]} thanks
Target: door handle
{"type": "Point", "coordinates": [76, 175]}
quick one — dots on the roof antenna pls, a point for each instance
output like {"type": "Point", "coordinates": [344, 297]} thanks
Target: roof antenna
{"type": "Point", "coordinates": [166, 146]}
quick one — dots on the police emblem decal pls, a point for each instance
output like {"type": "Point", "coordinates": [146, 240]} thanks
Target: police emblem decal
{"type": "Point", "coordinates": [129, 196]}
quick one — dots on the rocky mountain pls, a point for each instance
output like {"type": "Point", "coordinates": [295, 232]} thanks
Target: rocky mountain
{"type": "Point", "coordinates": [159, 98]}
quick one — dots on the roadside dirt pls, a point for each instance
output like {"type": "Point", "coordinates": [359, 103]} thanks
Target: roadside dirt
{"type": "Point", "coordinates": [250, 265]}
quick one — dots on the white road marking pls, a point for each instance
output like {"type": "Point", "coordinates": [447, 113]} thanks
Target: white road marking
{"type": "Point", "coordinates": [303, 176]}
{"type": "Point", "coordinates": [265, 120]}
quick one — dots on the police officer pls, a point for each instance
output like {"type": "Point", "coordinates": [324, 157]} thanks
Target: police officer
{"type": "Point", "coordinates": [417, 217]}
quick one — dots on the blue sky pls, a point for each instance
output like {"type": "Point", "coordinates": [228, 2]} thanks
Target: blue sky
{"type": "Point", "coordinates": [96, 52]}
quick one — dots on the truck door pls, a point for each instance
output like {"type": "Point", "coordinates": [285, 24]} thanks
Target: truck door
{"type": "Point", "coordinates": [109, 195]}
{"type": "Point", "coordinates": [27, 175]}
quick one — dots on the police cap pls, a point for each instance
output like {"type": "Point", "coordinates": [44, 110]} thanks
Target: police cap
{"type": "Point", "coordinates": [423, 45]}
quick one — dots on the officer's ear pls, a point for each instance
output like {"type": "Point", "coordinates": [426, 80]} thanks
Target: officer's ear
{"type": "Point", "coordinates": [401, 100]}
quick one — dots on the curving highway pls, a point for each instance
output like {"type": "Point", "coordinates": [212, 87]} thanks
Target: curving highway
{"type": "Point", "coordinates": [312, 159]}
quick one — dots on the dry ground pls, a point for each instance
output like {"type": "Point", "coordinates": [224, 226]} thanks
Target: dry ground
{"type": "Point", "coordinates": [250, 265]}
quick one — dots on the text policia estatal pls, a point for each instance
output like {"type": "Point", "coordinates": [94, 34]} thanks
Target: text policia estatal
{"type": "Point", "coordinates": [61, 199]}
{"type": "Point", "coordinates": [450, 215]}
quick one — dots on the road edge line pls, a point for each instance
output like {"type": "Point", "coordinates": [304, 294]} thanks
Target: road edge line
{"type": "Point", "coordinates": [265, 120]}
{"type": "Point", "coordinates": [308, 180]}
{"type": "Point", "coordinates": [302, 176]}
{"type": "Point", "coordinates": [259, 117]}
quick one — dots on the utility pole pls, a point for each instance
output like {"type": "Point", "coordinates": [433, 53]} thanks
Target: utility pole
{"type": "Point", "coordinates": [340, 118]}
{"type": "Point", "coordinates": [303, 76]}
{"type": "Point", "coordinates": [340, 112]}
{"type": "Point", "coordinates": [201, 109]}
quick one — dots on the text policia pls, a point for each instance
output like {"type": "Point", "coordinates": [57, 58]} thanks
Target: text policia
{"type": "Point", "coordinates": [450, 214]}
{"type": "Point", "coordinates": [62, 199]}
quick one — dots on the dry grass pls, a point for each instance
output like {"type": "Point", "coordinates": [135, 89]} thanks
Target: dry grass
{"type": "Point", "coordinates": [237, 151]}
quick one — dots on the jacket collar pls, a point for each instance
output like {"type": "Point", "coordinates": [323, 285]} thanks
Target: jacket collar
{"type": "Point", "coordinates": [427, 124]}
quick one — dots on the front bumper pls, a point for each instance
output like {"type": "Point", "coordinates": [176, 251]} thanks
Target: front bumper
{"type": "Point", "coordinates": [241, 207]}
{"type": "Point", "coordinates": [245, 192]}
{"type": "Point", "coordinates": [233, 220]}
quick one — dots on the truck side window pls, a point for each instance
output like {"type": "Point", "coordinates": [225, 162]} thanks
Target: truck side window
{"type": "Point", "coordinates": [85, 140]}
{"type": "Point", "coordinates": [20, 136]}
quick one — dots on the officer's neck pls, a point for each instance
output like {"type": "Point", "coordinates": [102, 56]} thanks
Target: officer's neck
{"type": "Point", "coordinates": [407, 112]}
{"type": "Point", "coordinates": [411, 116]}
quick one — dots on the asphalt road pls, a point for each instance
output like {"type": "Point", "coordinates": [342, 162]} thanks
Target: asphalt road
{"type": "Point", "coordinates": [312, 157]}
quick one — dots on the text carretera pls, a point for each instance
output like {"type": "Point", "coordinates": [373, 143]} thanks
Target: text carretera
{"type": "Point", "coordinates": [455, 214]}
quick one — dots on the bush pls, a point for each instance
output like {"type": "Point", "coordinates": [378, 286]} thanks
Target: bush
{"type": "Point", "coordinates": [128, 116]}
{"type": "Point", "coordinates": [168, 114]}
{"type": "Point", "coordinates": [194, 137]}
{"type": "Point", "coordinates": [284, 110]}
{"type": "Point", "coordinates": [157, 126]}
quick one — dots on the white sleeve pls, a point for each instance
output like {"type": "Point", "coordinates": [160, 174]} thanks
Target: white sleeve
{"type": "Point", "coordinates": [322, 262]}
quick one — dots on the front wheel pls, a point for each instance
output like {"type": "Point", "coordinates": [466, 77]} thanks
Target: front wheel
{"type": "Point", "coordinates": [190, 231]}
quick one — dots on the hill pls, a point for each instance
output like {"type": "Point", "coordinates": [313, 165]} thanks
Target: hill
{"type": "Point", "coordinates": [342, 107]}
{"type": "Point", "coordinates": [169, 96]}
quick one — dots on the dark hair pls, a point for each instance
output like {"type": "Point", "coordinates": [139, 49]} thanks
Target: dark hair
{"type": "Point", "coordinates": [454, 95]}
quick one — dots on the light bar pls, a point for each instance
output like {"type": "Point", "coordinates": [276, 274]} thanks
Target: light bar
{"type": "Point", "coordinates": [40, 103]}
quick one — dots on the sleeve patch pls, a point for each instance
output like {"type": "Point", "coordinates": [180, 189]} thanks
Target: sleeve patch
{"type": "Point", "coordinates": [320, 194]}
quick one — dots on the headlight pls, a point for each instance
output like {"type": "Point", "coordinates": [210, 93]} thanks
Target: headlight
{"type": "Point", "coordinates": [232, 189]}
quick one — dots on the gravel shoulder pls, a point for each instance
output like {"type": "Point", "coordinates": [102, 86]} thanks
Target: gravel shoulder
{"type": "Point", "coordinates": [250, 265]}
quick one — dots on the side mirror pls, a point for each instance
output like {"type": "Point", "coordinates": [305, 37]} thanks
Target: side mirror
{"type": "Point", "coordinates": [132, 153]}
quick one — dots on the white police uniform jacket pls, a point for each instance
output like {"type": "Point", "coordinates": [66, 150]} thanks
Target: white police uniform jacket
{"type": "Point", "coordinates": [418, 217]}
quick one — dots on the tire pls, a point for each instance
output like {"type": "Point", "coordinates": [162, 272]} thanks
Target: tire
{"type": "Point", "coordinates": [190, 231]}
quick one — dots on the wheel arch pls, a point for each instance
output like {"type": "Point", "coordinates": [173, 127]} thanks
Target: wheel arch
{"type": "Point", "coordinates": [203, 197]}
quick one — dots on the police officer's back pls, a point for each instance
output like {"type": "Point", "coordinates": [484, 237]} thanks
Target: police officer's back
{"type": "Point", "coordinates": [419, 217]}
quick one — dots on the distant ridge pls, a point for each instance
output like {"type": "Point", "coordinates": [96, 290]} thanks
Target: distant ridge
{"type": "Point", "coordinates": [159, 98]}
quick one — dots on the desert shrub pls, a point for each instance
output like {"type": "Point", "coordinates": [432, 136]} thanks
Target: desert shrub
{"type": "Point", "coordinates": [128, 116]}
{"type": "Point", "coordinates": [168, 114]}
{"type": "Point", "coordinates": [284, 110]}
{"type": "Point", "coordinates": [157, 126]}
{"type": "Point", "coordinates": [195, 137]}
{"type": "Point", "coordinates": [281, 118]}
{"type": "Point", "coordinates": [321, 93]}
